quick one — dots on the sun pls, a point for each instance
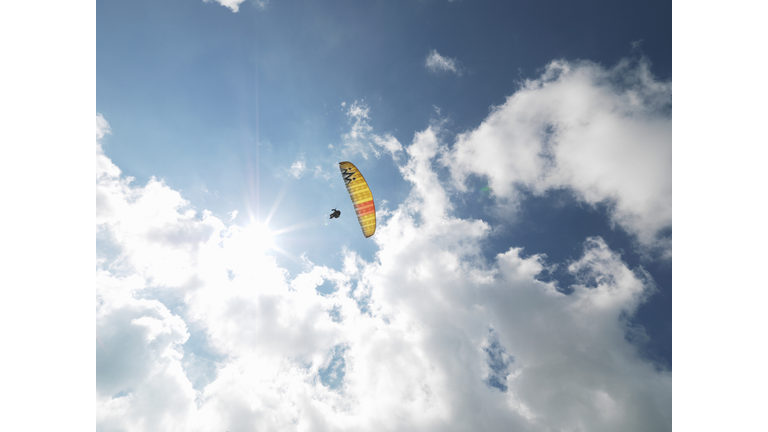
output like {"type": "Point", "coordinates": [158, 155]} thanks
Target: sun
{"type": "Point", "coordinates": [252, 240]}
{"type": "Point", "coordinates": [259, 236]}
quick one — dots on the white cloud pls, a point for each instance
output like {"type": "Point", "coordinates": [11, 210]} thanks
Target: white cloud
{"type": "Point", "coordinates": [235, 4]}
{"type": "Point", "coordinates": [298, 168]}
{"type": "Point", "coordinates": [141, 365]}
{"type": "Point", "coordinates": [605, 134]}
{"type": "Point", "coordinates": [436, 63]}
{"type": "Point", "coordinates": [321, 173]}
{"type": "Point", "coordinates": [360, 139]}
{"type": "Point", "coordinates": [102, 127]}
{"type": "Point", "coordinates": [389, 143]}
{"type": "Point", "coordinates": [425, 337]}
{"type": "Point", "coordinates": [355, 141]}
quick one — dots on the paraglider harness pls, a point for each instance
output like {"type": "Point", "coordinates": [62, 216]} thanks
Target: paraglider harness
{"type": "Point", "coordinates": [335, 214]}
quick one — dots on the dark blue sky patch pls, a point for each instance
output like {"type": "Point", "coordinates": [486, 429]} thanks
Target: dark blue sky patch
{"type": "Point", "coordinates": [201, 361]}
{"type": "Point", "coordinates": [655, 315]}
{"type": "Point", "coordinates": [362, 304]}
{"type": "Point", "coordinates": [332, 376]}
{"type": "Point", "coordinates": [335, 314]}
{"type": "Point", "coordinates": [498, 361]}
{"type": "Point", "coordinates": [637, 335]}
{"type": "Point", "coordinates": [556, 224]}
{"type": "Point", "coordinates": [362, 300]}
{"type": "Point", "coordinates": [122, 393]}
{"type": "Point", "coordinates": [326, 288]}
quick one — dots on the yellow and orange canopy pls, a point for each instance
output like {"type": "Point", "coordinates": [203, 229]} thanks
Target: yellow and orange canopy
{"type": "Point", "coordinates": [361, 195]}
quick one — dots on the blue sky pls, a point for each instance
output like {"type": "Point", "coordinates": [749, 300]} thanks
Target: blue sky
{"type": "Point", "coordinates": [191, 97]}
{"type": "Point", "coordinates": [201, 322]}
{"type": "Point", "coordinates": [520, 158]}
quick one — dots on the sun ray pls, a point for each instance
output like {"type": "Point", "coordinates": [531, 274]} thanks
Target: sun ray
{"type": "Point", "coordinates": [287, 254]}
{"type": "Point", "coordinates": [102, 345]}
{"type": "Point", "coordinates": [295, 227]}
{"type": "Point", "coordinates": [276, 204]}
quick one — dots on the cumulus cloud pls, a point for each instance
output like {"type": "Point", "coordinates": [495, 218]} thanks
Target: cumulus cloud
{"type": "Point", "coordinates": [298, 168]}
{"type": "Point", "coordinates": [437, 63]}
{"type": "Point", "coordinates": [234, 5]}
{"type": "Point", "coordinates": [428, 336]}
{"type": "Point", "coordinates": [361, 139]}
{"type": "Point", "coordinates": [102, 127]}
{"type": "Point", "coordinates": [604, 134]}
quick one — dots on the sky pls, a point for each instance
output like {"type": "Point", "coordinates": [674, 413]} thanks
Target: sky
{"type": "Point", "coordinates": [517, 279]}
{"type": "Point", "coordinates": [520, 158]}
{"type": "Point", "coordinates": [521, 161]}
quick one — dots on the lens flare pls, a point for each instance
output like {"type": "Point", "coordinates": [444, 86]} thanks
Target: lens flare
{"type": "Point", "coordinates": [259, 236]}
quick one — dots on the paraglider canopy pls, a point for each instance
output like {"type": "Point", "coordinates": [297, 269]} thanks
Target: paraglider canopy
{"type": "Point", "coordinates": [361, 196]}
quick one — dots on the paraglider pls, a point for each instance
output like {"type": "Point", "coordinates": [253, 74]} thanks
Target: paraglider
{"type": "Point", "coordinates": [361, 196]}
{"type": "Point", "coordinates": [335, 214]}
